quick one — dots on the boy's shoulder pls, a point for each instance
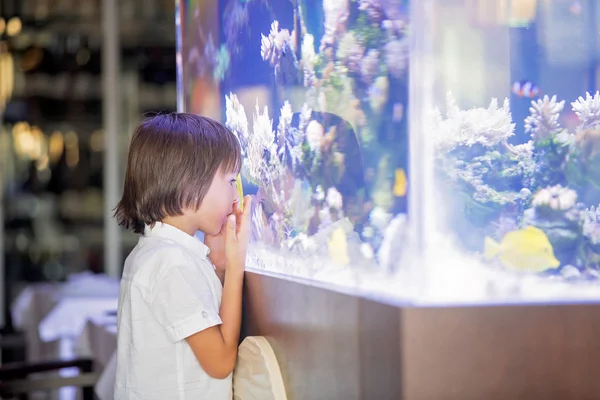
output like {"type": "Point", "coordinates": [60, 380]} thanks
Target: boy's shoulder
{"type": "Point", "coordinates": [154, 258]}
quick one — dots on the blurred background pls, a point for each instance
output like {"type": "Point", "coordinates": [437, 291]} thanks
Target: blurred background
{"type": "Point", "coordinates": [74, 75]}
{"type": "Point", "coordinates": [54, 121]}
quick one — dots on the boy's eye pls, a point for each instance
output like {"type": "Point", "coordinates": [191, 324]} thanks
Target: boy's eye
{"type": "Point", "coordinates": [233, 181]}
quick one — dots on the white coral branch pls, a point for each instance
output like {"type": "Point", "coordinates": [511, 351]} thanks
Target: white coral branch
{"type": "Point", "coordinates": [543, 118]}
{"type": "Point", "coordinates": [236, 120]}
{"type": "Point", "coordinates": [485, 126]}
{"type": "Point", "coordinates": [587, 110]}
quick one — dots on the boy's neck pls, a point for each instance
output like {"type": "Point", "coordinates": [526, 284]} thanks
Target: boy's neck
{"type": "Point", "coordinates": [183, 223]}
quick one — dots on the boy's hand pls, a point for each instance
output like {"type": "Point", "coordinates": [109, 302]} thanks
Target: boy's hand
{"type": "Point", "coordinates": [216, 244]}
{"type": "Point", "coordinates": [236, 237]}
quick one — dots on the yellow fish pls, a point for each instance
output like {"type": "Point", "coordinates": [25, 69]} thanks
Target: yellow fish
{"type": "Point", "coordinates": [338, 247]}
{"type": "Point", "coordinates": [240, 190]}
{"type": "Point", "coordinates": [526, 249]}
{"type": "Point", "coordinates": [400, 183]}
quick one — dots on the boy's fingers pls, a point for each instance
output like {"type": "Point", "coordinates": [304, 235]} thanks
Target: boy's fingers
{"type": "Point", "coordinates": [238, 218]}
{"type": "Point", "coordinates": [231, 228]}
{"type": "Point", "coordinates": [247, 204]}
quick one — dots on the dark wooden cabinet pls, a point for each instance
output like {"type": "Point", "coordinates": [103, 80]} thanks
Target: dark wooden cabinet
{"type": "Point", "coordinates": [336, 346]}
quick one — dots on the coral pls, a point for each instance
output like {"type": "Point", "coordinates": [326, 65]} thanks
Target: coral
{"type": "Point", "coordinates": [378, 93]}
{"type": "Point", "coordinates": [369, 65]}
{"type": "Point", "coordinates": [336, 13]}
{"type": "Point", "coordinates": [393, 9]}
{"type": "Point", "coordinates": [591, 224]}
{"type": "Point", "coordinates": [354, 74]}
{"type": "Point", "coordinates": [350, 51]}
{"type": "Point", "coordinates": [377, 10]}
{"type": "Point", "coordinates": [543, 119]}
{"type": "Point", "coordinates": [278, 49]}
{"type": "Point", "coordinates": [309, 59]}
{"type": "Point", "coordinates": [526, 166]}
{"type": "Point", "coordinates": [285, 119]}
{"type": "Point", "coordinates": [235, 119]}
{"type": "Point", "coordinates": [393, 28]}
{"type": "Point", "coordinates": [262, 161]}
{"type": "Point", "coordinates": [273, 45]}
{"type": "Point", "coordinates": [396, 56]}
{"type": "Point", "coordinates": [314, 135]}
{"type": "Point", "coordinates": [588, 110]}
{"type": "Point", "coordinates": [379, 218]}
{"type": "Point", "coordinates": [236, 18]}
{"type": "Point", "coordinates": [556, 198]}
{"type": "Point", "coordinates": [334, 198]}
{"type": "Point", "coordinates": [487, 127]}
{"type": "Point", "coordinates": [588, 142]}
{"type": "Point", "coordinates": [373, 9]}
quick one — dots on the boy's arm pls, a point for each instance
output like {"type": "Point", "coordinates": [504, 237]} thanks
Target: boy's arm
{"type": "Point", "coordinates": [216, 347]}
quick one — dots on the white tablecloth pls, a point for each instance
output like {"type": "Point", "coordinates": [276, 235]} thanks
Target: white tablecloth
{"type": "Point", "coordinates": [53, 316]}
{"type": "Point", "coordinates": [28, 310]}
{"type": "Point", "coordinates": [99, 342]}
{"type": "Point", "coordinates": [68, 318]}
{"type": "Point", "coordinates": [36, 302]}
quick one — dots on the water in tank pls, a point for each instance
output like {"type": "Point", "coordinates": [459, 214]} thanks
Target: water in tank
{"type": "Point", "coordinates": [508, 130]}
{"type": "Point", "coordinates": [498, 201]}
{"type": "Point", "coordinates": [317, 93]}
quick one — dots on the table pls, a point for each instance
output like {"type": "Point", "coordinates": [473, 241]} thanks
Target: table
{"type": "Point", "coordinates": [99, 342]}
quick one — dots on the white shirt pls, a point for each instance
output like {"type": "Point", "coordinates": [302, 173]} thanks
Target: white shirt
{"type": "Point", "coordinates": [169, 291]}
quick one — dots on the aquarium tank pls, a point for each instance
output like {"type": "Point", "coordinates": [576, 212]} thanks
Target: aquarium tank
{"type": "Point", "coordinates": [424, 152]}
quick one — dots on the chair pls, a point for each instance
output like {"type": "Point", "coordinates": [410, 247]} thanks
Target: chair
{"type": "Point", "coordinates": [16, 382]}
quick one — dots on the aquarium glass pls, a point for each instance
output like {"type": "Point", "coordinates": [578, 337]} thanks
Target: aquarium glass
{"type": "Point", "coordinates": [317, 93]}
{"type": "Point", "coordinates": [500, 115]}
{"type": "Point", "coordinates": [511, 153]}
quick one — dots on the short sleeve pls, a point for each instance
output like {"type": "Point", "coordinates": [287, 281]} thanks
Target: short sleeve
{"type": "Point", "coordinates": [183, 303]}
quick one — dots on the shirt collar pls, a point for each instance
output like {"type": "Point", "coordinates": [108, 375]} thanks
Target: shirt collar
{"type": "Point", "coordinates": [170, 232]}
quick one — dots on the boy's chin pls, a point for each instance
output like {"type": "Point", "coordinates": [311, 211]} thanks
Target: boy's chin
{"type": "Point", "coordinates": [219, 229]}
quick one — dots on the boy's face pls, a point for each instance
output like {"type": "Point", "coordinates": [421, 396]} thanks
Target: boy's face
{"type": "Point", "coordinates": [218, 202]}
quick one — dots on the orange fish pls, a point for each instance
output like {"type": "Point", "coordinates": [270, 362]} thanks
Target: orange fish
{"type": "Point", "coordinates": [525, 89]}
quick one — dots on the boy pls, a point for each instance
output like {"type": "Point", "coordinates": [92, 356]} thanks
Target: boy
{"type": "Point", "coordinates": [178, 327]}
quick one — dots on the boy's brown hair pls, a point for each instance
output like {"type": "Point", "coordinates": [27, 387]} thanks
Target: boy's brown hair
{"type": "Point", "coordinates": [172, 161]}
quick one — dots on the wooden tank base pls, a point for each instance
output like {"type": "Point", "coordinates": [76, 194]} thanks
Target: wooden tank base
{"type": "Point", "coordinates": [336, 346]}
